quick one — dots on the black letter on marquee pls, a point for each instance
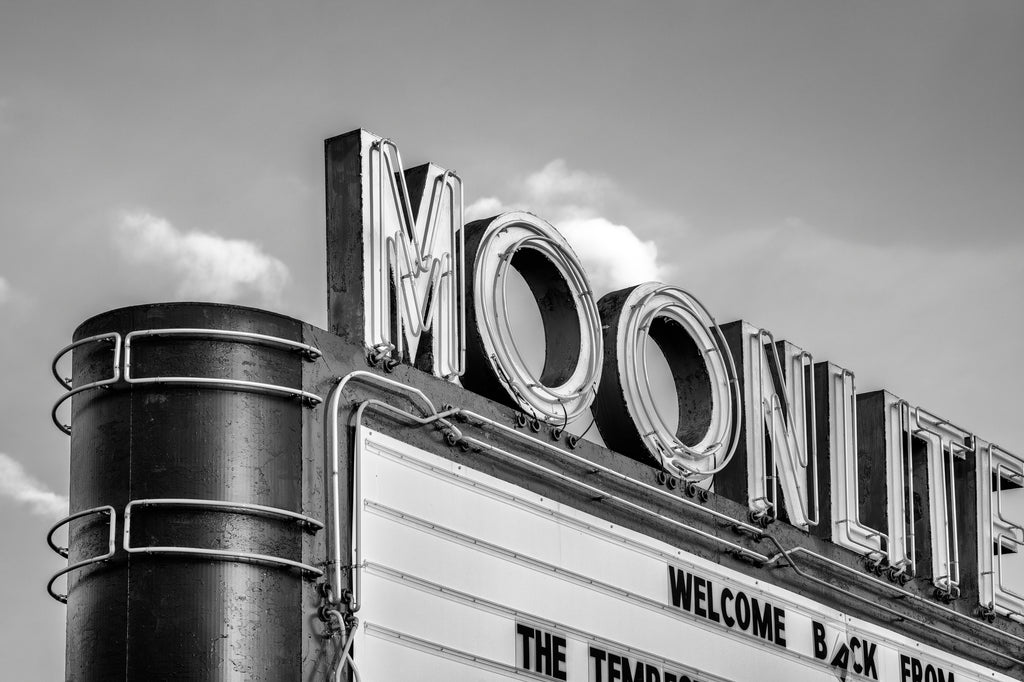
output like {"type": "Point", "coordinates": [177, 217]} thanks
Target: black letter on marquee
{"type": "Point", "coordinates": [854, 645]}
{"type": "Point", "coordinates": [869, 660]}
{"type": "Point", "coordinates": [780, 627]}
{"type": "Point", "coordinates": [842, 657]}
{"type": "Point", "coordinates": [699, 596]}
{"type": "Point", "coordinates": [526, 634]}
{"type": "Point", "coordinates": [726, 597]}
{"type": "Point", "coordinates": [762, 620]}
{"type": "Point", "coordinates": [543, 653]}
{"type": "Point", "coordinates": [742, 611]}
{"type": "Point", "coordinates": [558, 669]}
{"type": "Point", "coordinates": [630, 673]}
{"type": "Point", "coordinates": [917, 672]}
{"type": "Point", "coordinates": [712, 614]}
{"type": "Point", "coordinates": [820, 648]}
{"type": "Point", "coordinates": [614, 662]}
{"type": "Point", "coordinates": [598, 656]}
{"type": "Point", "coordinates": [680, 582]}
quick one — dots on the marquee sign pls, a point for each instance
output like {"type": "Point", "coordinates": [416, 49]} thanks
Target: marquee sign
{"type": "Point", "coordinates": [479, 578]}
{"type": "Point", "coordinates": [799, 426]}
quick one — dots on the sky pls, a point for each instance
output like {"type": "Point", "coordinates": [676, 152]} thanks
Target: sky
{"type": "Point", "coordinates": [849, 175]}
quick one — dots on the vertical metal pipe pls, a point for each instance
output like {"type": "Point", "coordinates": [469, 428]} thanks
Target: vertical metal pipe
{"type": "Point", "coordinates": [161, 616]}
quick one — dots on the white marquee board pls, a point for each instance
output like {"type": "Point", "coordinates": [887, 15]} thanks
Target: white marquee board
{"type": "Point", "coordinates": [461, 571]}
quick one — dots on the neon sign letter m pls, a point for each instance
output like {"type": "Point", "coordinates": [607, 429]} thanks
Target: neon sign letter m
{"type": "Point", "coordinates": [395, 266]}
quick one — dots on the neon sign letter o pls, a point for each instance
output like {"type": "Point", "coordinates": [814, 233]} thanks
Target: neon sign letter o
{"type": "Point", "coordinates": [703, 371]}
{"type": "Point", "coordinates": [572, 326]}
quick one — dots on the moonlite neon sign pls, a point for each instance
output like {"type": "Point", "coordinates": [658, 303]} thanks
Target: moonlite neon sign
{"type": "Point", "coordinates": [427, 290]}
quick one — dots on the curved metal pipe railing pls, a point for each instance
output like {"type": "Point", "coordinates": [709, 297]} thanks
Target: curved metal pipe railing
{"type": "Point", "coordinates": [63, 551]}
{"type": "Point", "coordinates": [75, 390]}
{"type": "Point", "coordinates": [308, 352]}
{"type": "Point", "coordinates": [222, 505]}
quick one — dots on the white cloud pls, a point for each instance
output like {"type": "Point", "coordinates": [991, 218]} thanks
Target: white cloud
{"type": "Point", "coordinates": [613, 255]}
{"type": "Point", "coordinates": [574, 201]}
{"type": "Point", "coordinates": [484, 207]}
{"type": "Point", "coordinates": [17, 485]}
{"type": "Point", "coordinates": [556, 182]}
{"type": "Point", "coordinates": [6, 292]}
{"type": "Point", "coordinates": [205, 265]}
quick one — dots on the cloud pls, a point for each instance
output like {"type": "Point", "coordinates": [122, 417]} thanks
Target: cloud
{"type": "Point", "coordinates": [6, 292]}
{"type": "Point", "coordinates": [484, 207]}
{"type": "Point", "coordinates": [555, 182]}
{"type": "Point", "coordinates": [206, 265]}
{"type": "Point", "coordinates": [612, 254]}
{"type": "Point", "coordinates": [574, 201]}
{"type": "Point", "coordinates": [16, 484]}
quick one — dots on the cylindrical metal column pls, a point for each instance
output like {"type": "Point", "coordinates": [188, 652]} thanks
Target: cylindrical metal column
{"type": "Point", "coordinates": [168, 616]}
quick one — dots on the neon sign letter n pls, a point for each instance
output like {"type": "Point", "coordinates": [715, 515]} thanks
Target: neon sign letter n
{"type": "Point", "coordinates": [779, 439]}
{"type": "Point", "coordinates": [395, 265]}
